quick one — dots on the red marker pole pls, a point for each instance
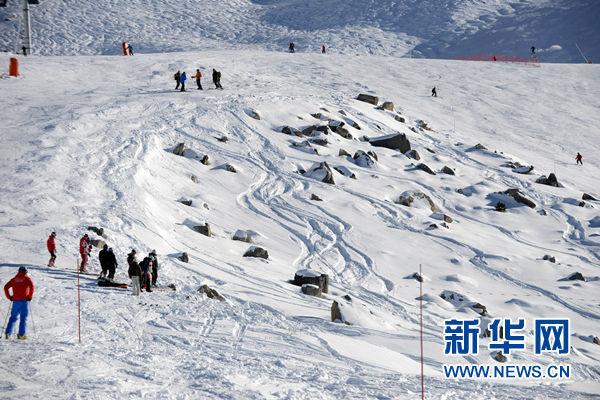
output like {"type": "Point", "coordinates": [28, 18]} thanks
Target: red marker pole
{"type": "Point", "coordinates": [78, 304]}
{"type": "Point", "coordinates": [421, 320]}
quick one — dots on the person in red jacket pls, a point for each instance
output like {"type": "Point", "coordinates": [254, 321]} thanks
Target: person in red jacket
{"type": "Point", "coordinates": [579, 159]}
{"type": "Point", "coordinates": [22, 293]}
{"type": "Point", "coordinates": [51, 249]}
{"type": "Point", "coordinates": [84, 251]}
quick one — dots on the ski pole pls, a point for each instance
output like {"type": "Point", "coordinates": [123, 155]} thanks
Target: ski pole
{"type": "Point", "coordinates": [6, 319]}
{"type": "Point", "coordinates": [32, 320]}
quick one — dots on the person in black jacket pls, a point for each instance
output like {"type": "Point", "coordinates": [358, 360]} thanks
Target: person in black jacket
{"type": "Point", "coordinates": [154, 267]}
{"type": "Point", "coordinates": [176, 77]}
{"type": "Point", "coordinates": [111, 262]}
{"type": "Point", "coordinates": [134, 272]}
{"type": "Point", "coordinates": [146, 267]}
{"type": "Point", "coordinates": [216, 75]}
{"type": "Point", "coordinates": [103, 257]}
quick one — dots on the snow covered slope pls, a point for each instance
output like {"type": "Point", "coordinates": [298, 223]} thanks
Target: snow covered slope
{"type": "Point", "coordinates": [432, 29]}
{"type": "Point", "coordinates": [88, 141]}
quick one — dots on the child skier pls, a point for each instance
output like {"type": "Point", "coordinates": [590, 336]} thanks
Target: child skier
{"type": "Point", "coordinates": [51, 245]}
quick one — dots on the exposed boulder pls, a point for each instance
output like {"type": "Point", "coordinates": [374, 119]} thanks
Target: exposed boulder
{"type": "Point", "coordinates": [172, 287]}
{"type": "Point", "coordinates": [576, 276]}
{"type": "Point", "coordinates": [314, 130]}
{"type": "Point", "coordinates": [288, 130]}
{"type": "Point", "coordinates": [336, 312]}
{"type": "Point", "coordinates": [184, 257]}
{"type": "Point", "coordinates": [500, 357]}
{"type": "Point", "coordinates": [367, 98]}
{"type": "Point", "coordinates": [194, 178]}
{"type": "Point", "coordinates": [422, 125]}
{"type": "Point", "coordinates": [256, 252]}
{"type": "Point", "coordinates": [519, 198]}
{"type": "Point", "coordinates": [363, 159]}
{"type": "Point", "coordinates": [179, 150]}
{"type": "Point", "coordinates": [343, 153]}
{"type": "Point", "coordinates": [500, 207]}
{"type": "Point", "coordinates": [596, 340]}
{"type": "Point", "coordinates": [335, 124]}
{"type": "Point", "coordinates": [550, 180]}
{"type": "Point", "coordinates": [321, 172]}
{"type": "Point", "coordinates": [588, 197]}
{"type": "Point", "coordinates": [418, 277]}
{"type": "Point", "coordinates": [184, 201]}
{"type": "Point", "coordinates": [414, 154]}
{"type": "Point", "coordinates": [354, 124]}
{"type": "Point", "coordinates": [409, 198]}
{"type": "Point", "coordinates": [343, 132]}
{"type": "Point", "coordinates": [230, 168]}
{"type": "Point", "coordinates": [550, 258]}
{"type": "Point", "coordinates": [253, 114]}
{"type": "Point", "coordinates": [223, 139]}
{"type": "Point", "coordinates": [442, 217]}
{"type": "Point", "coordinates": [311, 277]}
{"type": "Point", "coordinates": [317, 116]}
{"type": "Point", "coordinates": [97, 231]}
{"type": "Point", "coordinates": [203, 229]}
{"type": "Point", "coordinates": [311, 290]}
{"type": "Point", "coordinates": [347, 172]}
{"type": "Point", "coordinates": [400, 118]}
{"type": "Point", "coordinates": [424, 167]}
{"type": "Point", "coordinates": [478, 146]}
{"type": "Point", "coordinates": [245, 235]}
{"type": "Point", "coordinates": [524, 169]}
{"type": "Point", "coordinates": [211, 293]}
{"type": "Point", "coordinates": [387, 105]}
{"type": "Point", "coordinates": [204, 160]}
{"type": "Point", "coordinates": [448, 171]}
{"type": "Point", "coordinates": [315, 197]}
{"type": "Point", "coordinates": [99, 243]}
{"type": "Point", "coordinates": [396, 141]}
{"type": "Point", "coordinates": [480, 308]}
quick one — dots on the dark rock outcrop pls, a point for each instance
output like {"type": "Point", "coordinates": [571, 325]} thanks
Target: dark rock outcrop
{"type": "Point", "coordinates": [97, 231]}
{"type": "Point", "coordinates": [367, 98]}
{"type": "Point", "coordinates": [397, 141]}
{"type": "Point", "coordinates": [519, 198]}
{"type": "Point", "coordinates": [203, 229]}
{"type": "Point", "coordinates": [576, 276]}
{"type": "Point", "coordinates": [186, 202]}
{"type": "Point", "coordinates": [387, 105]}
{"type": "Point", "coordinates": [321, 172]}
{"type": "Point", "coordinates": [288, 130]}
{"type": "Point", "coordinates": [550, 258]}
{"type": "Point", "coordinates": [550, 180]}
{"type": "Point", "coordinates": [343, 153]}
{"type": "Point", "coordinates": [257, 252]}
{"type": "Point", "coordinates": [204, 160]}
{"type": "Point", "coordinates": [588, 197]}
{"type": "Point", "coordinates": [311, 290]}
{"type": "Point", "coordinates": [184, 257]}
{"type": "Point", "coordinates": [448, 171]}
{"type": "Point", "coordinates": [424, 167]}
{"type": "Point", "coordinates": [310, 277]}
{"type": "Point", "coordinates": [315, 197]}
{"type": "Point", "coordinates": [408, 198]}
{"type": "Point", "coordinates": [414, 154]}
{"type": "Point", "coordinates": [211, 293]}
{"type": "Point", "coordinates": [179, 150]}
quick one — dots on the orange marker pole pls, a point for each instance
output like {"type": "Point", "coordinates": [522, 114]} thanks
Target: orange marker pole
{"type": "Point", "coordinates": [13, 67]}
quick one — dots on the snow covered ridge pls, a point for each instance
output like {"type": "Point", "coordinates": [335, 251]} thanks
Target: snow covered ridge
{"type": "Point", "coordinates": [415, 28]}
{"type": "Point", "coordinates": [94, 141]}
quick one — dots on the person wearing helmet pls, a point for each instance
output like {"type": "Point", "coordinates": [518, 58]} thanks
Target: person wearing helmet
{"type": "Point", "coordinates": [22, 293]}
{"type": "Point", "coordinates": [154, 267]}
{"type": "Point", "coordinates": [51, 245]}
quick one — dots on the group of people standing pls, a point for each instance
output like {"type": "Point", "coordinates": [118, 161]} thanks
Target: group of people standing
{"type": "Point", "coordinates": [292, 48]}
{"type": "Point", "coordinates": [143, 274]}
{"type": "Point", "coordinates": [181, 78]}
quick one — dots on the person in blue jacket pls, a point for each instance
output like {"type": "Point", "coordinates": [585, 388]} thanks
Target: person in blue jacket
{"type": "Point", "coordinates": [182, 80]}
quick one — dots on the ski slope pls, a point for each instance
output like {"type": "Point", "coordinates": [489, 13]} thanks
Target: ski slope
{"type": "Point", "coordinates": [89, 140]}
{"type": "Point", "coordinates": [423, 29]}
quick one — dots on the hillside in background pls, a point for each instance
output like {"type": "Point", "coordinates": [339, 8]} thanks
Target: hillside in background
{"type": "Point", "coordinates": [83, 145]}
{"type": "Point", "coordinates": [430, 29]}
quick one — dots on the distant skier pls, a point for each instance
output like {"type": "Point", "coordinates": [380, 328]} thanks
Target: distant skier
{"type": "Point", "coordinates": [84, 250]}
{"type": "Point", "coordinates": [216, 75]}
{"type": "Point", "coordinates": [182, 79]}
{"type": "Point", "coordinates": [130, 49]}
{"type": "Point", "coordinates": [322, 49]}
{"type": "Point", "coordinates": [292, 47]}
{"type": "Point", "coordinates": [51, 245]}
{"type": "Point", "coordinates": [533, 51]}
{"type": "Point", "coordinates": [154, 267]}
{"type": "Point", "coordinates": [146, 267]}
{"type": "Point", "coordinates": [112, 264]}
{"type": "Point", "coordinates": [134, 272]}
{"type": "Point", "coordinates": [177, 76]}
{"type": "Point", "coordinates": [22, 293]}
{"type": "Point", "coordinates": [494, 58]}
{"type": "Point", "coordinates": [198, 77]}
{"type": "Point", "coordinates": [579, 158]}
{"type": "Point", "coordinates": [103, 258]}
{"type": "Point", "coordinates": [433, 92]}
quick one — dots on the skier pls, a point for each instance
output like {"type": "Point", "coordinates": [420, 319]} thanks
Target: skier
{"type": "Point", "coordinates": [198, 77]}
{"type": "Point", "coordinates": [322, 49]}
{"type": "Point", "coordinates": [134, 272]}
{"type": "Point", "coordinates": [84, 250]}
{"type": "Point", "coordinates": [182, 79]}
{"type": "Point", "coordinates": [533, 51]}
{"type": "Point", "coordinates": [146, 267]}
{"type": "Point", "coordinates": [130, 49]}
{"type": "Point", "coordinates": [112, 264]}
{"type": "Point", "coordinates": [216, 75]}
{"type": "Point", "coordinates": [434, 92]}
{"type": "Point", "coordinates": [51, 245]}
{"type": "Point", "coordinates": [292, 48]}
{"type": "Point", "coordinates": [103, 257]}
{"type": "Point", "coordinates": [579, 158]}
{"type": "Point", "coordinates": [22, 293]}
{"type": "Point", "coordinates": [154, 267]}
{"type": "Point", "coordinates": [177, 76]}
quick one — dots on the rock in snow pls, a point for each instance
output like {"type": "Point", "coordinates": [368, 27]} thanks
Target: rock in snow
{"type": "Point", "coordinates": [257, 252]}
{"type": "Point", "coordinates": [321, 172]}
{"type": "Point", "coordinates": [367, 98]}
{"type": "Point", "coordinates": [311, 277]}
{"type": "Point", "coordinates": [397, 141]}
{"type": "Point", "coordinates": [211, 293]}
{"type": "Point", "coordinates": [416, 198]}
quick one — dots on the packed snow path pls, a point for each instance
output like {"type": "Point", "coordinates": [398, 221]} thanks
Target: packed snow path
{"type": "Point", "coordinates": [88, 140]}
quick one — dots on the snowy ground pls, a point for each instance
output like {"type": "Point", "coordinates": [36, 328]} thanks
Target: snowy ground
{"type": "Point", "coordinates": [412, 28]}
{"type": "Point", "coordinates": [87, 140]}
